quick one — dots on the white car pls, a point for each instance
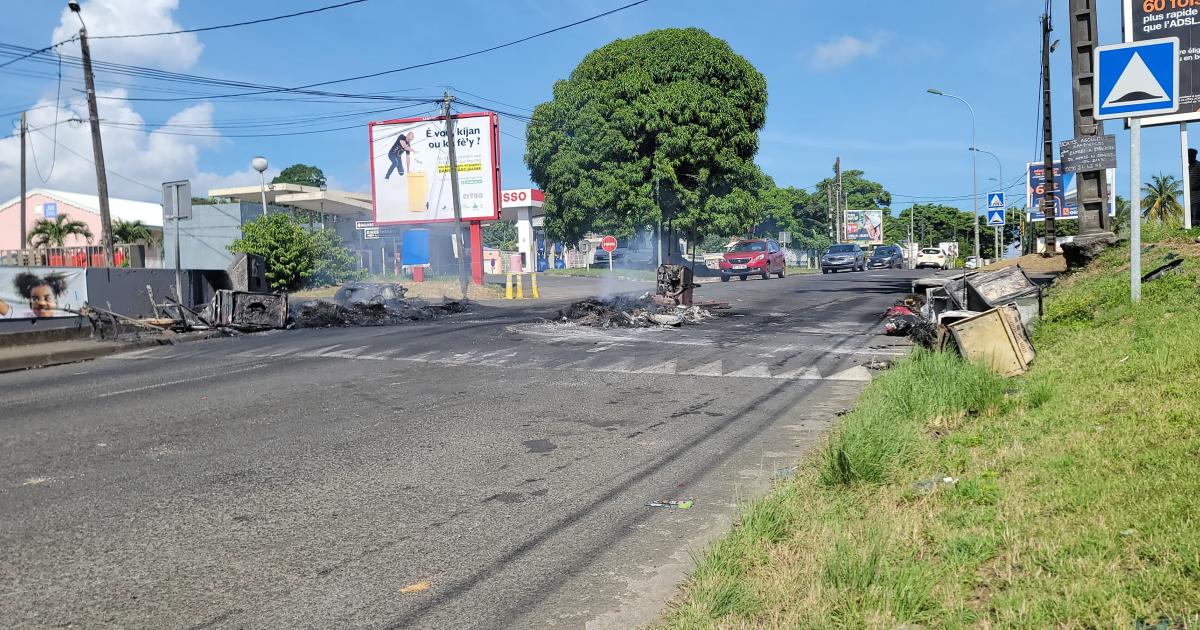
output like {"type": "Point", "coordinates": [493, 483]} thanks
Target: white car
{"type": "Point", "coordinates": [931, 257]}
{"type": "Point", "coordinates": [972, 263]}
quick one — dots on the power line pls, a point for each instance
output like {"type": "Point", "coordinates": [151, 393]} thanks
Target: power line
{"type": "Point", "coordinates": [213, 28]}
{"type": "Point", "coordinates": [38, 52]}
{"type": "Point", "coordinates": [107, 170]}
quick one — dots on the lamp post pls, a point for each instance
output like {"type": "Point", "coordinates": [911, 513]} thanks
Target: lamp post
{"type": "Point", "coordinates": [974, 170]}
{"type": "Point", "coordinates": [1000, 232]}
{"type": "Point", "coordinates": [260, 164]}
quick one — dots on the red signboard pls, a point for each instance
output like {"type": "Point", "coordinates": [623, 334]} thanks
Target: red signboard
{"type": "Point", "coordinates": [609, 243]}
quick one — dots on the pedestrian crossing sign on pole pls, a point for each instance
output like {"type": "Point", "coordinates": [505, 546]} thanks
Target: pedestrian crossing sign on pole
{"type": "Point", "coordinates": [995, 201]}
{"type": "Point", "coordinates": [1137, 79]}
{"type": "Point", "coordinates": [996, 217]}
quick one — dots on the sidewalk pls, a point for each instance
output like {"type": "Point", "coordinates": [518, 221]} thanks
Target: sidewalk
{"type": "Point", "coordinates": [59, 352]}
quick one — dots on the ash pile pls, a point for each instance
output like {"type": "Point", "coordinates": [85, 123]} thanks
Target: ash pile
{"type": "Point", "coordinates": [631, 312]}
{"type": "Point", "coordinates": [368, 304]}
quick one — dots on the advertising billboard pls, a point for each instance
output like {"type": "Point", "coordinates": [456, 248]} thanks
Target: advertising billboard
{"type": "Point", "coordinates": [41, 292]}
{"type": "Point", "coordinates": [410, 169]}
{"type": "Point", "coordinates": [1156, 19]}
{"type": "Point", "coordinates": [864, 227]}
{"type": "Point", "coordinates": [1065, 192]}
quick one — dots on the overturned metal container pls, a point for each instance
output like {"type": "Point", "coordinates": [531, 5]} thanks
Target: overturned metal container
{"type": "Point", "coordinates": [250, 311]}
{"type": "Point", "coordinates": [995, 338]}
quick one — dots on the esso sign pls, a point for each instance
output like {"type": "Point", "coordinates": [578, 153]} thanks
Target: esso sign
{"type": "Point", "coordinates": [515, 196]}
{"type": "Point", "coordinates": [522, 198]}
{"type": "Point", "coordinates": [609, 243]}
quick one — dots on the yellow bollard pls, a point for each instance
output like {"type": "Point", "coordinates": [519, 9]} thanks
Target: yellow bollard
{"type": "Point", "coordinates": [533, 278]}
{"type": "Point", "coordinates": [508, 293]}
{"type": "Point", "coordinates": [520, 286]}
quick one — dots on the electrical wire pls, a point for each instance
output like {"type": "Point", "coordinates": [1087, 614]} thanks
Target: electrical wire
{"type": "Point", "coordinates": [89, 161]}
{"type": "Point", "coordinates": [54, 153]}
{"type": "Point", "coordinates": [222, 26]}
{"type": "Point", "coordinates": [38, 51]}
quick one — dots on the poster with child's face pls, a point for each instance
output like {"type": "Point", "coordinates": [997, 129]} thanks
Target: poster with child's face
{"type": "Point", "coordinates": [41, 292]}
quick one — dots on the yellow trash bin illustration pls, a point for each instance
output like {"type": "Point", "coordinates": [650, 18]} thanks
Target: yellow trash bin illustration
{"type": "Point", "coordinates": [418, 191]}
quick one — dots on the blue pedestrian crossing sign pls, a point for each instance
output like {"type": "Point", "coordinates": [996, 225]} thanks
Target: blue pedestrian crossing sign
{"type": "Point", "coordinates": [1137, 79]}
{"type": "Point", "coordinates": [995, 201]}
{"type": "Point", "coordinates": [995, 217]}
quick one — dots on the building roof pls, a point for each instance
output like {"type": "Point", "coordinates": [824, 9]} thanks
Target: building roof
{"type": "Point", "coordinates": [310, 198]}
{"type": "Point", "coordinates": [124, 209]}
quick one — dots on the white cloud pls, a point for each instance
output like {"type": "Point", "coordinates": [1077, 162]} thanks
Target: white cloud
{"type": "Point", "coordinates": [846, 49]}
{"type": "Point", "coordinates": [120, 17]}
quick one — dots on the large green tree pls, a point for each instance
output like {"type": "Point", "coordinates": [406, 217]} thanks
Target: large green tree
{"type": "Point", "coordinates": [1160, 199]}
{"type": "Point", "coordinates": [661, 126]}
{"type": "Point", "coordinates": [302, 174]}
{"type": "Point", "coordinates": [937, 223]}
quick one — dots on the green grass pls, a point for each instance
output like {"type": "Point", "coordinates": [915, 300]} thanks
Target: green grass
{"type": "Point", "coordinates": [1074, 494]}
{"type": "Point", "coordinates": [597, 272]}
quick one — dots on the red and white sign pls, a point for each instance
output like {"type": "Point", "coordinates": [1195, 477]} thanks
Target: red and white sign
{"type": "Point", "coordinates": [609, 244]}
{"type": "Point", "coordinates": [522, 198]}
{"type": "Point", "coordinates": [410, 169]}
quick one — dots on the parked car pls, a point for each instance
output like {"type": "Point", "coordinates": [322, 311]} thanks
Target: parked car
{"type": "Point", "coordinates": [931, 257]}
{"type": "Point", "coordinates": [886, 257]}
{"type": "Point", "coordinates": [972, 263]}
{"type": "Point", "coordinates": [753, 257]}
{"type": "Point", "coordinates": [843, 256]}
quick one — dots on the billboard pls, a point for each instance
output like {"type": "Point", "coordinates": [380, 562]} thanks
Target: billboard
{"type": "Point", "coordinates": [41, 292]}
{"type": "Point", "coordinates": [1066, 194]}
{"type": "Point", "coordinates": [864, 227]}
{"type": "Point", "coordinates": [1156, 19]}
{"type": "Point", "coordinates": [410, 169]}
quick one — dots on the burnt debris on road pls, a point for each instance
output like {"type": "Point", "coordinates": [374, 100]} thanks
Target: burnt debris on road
{"type": "Point", "coordinates": [629, 312]}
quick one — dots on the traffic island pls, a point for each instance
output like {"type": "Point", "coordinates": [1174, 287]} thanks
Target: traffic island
{"type": "Point", "coordinates": [952, 497]}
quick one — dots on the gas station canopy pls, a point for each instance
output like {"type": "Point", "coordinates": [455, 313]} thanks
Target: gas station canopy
{"type": "Point", "coordinates": [309, 198]}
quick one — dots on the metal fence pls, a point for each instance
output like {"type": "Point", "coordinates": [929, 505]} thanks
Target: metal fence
{"type": "Point", "coordinates": [86, 256]}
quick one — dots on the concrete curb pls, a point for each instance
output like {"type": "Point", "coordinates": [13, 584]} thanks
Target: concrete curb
{"type": "Point", "coordinates": [39, 358]}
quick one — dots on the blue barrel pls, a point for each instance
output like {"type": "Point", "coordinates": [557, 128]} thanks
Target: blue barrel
{"type": "Point", "coordinates": [415, 248]}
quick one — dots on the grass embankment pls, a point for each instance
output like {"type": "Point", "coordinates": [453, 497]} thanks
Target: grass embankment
{"type": "Point", "coordinates": [1073, 497]}
{"type": "Point", "coordinates": [434, 289]}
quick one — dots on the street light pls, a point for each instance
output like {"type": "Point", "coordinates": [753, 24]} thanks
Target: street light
{"type": "Point", "coordinates": [259, 164]}
{"type": "Point", "coordinates": [974, 170]}
{"type": "Point", "coordinates": [999, 233]}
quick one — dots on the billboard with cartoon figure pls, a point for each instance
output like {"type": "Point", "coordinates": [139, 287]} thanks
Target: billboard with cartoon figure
{"type": "Point", "coordinates": [41, 292]}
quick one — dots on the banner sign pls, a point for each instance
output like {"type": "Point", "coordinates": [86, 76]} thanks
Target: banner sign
{"type": "Point", "coordinates": [410, 169]}
{"type": "Point", "coordinates": [41, 292]}
{"type": "Point", "coordinates": [1156, 19]}
{"type": "Point", "coordinates": [1065, 192]}
{"type": "Point", "coordinates": [1090, 153]}
{"type": "Point", "coordinates": [864, 227]}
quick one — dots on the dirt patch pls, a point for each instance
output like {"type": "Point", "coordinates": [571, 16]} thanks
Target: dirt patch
{"type": "Point", "coordinates": [1033, 263]}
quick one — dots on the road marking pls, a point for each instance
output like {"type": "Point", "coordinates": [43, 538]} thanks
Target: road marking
{"type": "Point", "coordinates": [801, 374]}
{"type": "Point", "coordinates": [708, 369]}
{"type": "Point", "coordinates": [758, 370]}
{"type": "Point", "coordinates": [661, 368]}
{"type": "Point", "coordinates": [180, 381]}
{"type": "Point", "coordinates": [856, 373]}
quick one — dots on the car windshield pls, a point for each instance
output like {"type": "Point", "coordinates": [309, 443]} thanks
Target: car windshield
{"type": "Point", "coordinates": [882, 252]}
{"type": "Point", "coordinates": [841, 249]}
{"type": "Point", "coordinates": [750, 246]}
{"type": "Point", "coordinates": [931, 251]}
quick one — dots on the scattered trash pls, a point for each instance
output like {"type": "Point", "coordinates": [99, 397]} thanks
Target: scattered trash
{"type": "Point", "coordinates": [377, 312]}
{"type": "Point", "coordinates": [901, 320]}
{"type": "Point", "coordinates": [1129, 532]}
{"type": "Point", "coordinates": [878, 365]}
{"type": "Point", "coordinates": [416, 587]}
{"type": "Point", "coordinates": [681, 504]}
{"type": "Point", "coordinates": [995, 338]}
{"type": "Point", "coordinates": [932, 483]}
{"type": "Point", "coordinates": [785, 473]}
{"type": "Point", "coordinates": [630, 312]}
{"type": "Point", "coordinates": [368, 292]}
{"type": "Point", "coordinates": [842, 413]}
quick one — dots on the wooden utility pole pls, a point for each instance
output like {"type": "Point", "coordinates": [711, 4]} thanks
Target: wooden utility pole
{"type": "Point", "coordinates": [1049, 195]}
{"type": "Point", "coordinates": [457, 202]}
{"type": "Point", "coordinates": [23, 244]}
{"type": "Point", "coordinates": [106, 236]}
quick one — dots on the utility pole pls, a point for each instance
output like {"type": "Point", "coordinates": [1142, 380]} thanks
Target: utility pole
{"type": "Point", "coordinates": [913, 250]}
{"type": "Point", "coordinates": [23, 215]}
{"type": "Point", "coordinates": [1049, 195]}
{"type": "Point", "coordinates": [832, 220]}
{"type": "Point", "coordinates": [97, 149]}
{"type": "Point", "coordinates": [837, 200]}
{"type": "Point", "coordinates": [457, 202]}
{"type": "Point", "coordinates": [1092, 186]}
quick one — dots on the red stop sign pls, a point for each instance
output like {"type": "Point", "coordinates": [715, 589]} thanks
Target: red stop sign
{"type": "Point", "coordinates": [609, 243]}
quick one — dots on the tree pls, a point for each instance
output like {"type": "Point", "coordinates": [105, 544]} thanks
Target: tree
{"type": "Point", "coordinates": [295, 257]}
{"type": "Point", "coordinates": [1121, 222]}
{"type": "Point", "coordinates": [55, 232]}
{"type": "Point", "coordinates": [133, 232]}
{"type": "Point", "coordinates": [1160, 200]}
{"type": "Point", "coordinates": [501, 235]}
{"type": "Point", "coordinates": [302, 174]}
{"type": "Point", "coordinates": [936, 223]}
{"type": "Point", "coordinates": [658, 127]}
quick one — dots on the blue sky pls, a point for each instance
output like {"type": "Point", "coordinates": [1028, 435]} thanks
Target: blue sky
{"type": "Point", "coordinates": [844, 79]}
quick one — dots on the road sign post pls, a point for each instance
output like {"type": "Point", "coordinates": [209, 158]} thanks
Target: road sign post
{"type": "Point", "coordinates": [1133, 81]}
{"type": "Point", "coordinates": [609, 244]}
{"type": "Point", "coordinates": [177, 205]}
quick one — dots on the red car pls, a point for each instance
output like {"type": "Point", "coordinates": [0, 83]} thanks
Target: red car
{"type": "Point", "coordinates": [756, 257]}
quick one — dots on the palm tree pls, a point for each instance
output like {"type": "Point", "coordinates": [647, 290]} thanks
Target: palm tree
{"type": "Point", "coordinates": [54, 233]}
{"type": "Point", "coordinates": [131, 232]}
{"type": "Point", "coordinates": [1160, 199]}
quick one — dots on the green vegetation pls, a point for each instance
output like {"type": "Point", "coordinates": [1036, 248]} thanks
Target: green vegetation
{"type": "Point", "coordinates": [936, 223]}
{"type": "Point", "coordinates": [1160, 200]}
{"type": "Point", "coordinates": [950, 498]}
{"type": "Point", "coordinates": [295, 256]}
{"type": "Point", "coordinates": [500, 235]}
{"type": "Point", "coordinates": [302, 174]}
{"type": "Point", "coordinates": [55, 232]}
{"type": "Point", "coordinates": [133, 232]}
{"type": "Point", "coordinates": [599, 272]}
{"type": "Point", "coordinates": [661, 126]}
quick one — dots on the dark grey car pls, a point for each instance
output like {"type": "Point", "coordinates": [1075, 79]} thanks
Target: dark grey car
{"type": "Point", "coordinates": [886, 257]}
{"type": "Point", "coordinates": [843, 256]}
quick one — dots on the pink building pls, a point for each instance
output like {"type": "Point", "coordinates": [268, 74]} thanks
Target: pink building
{"type": "Point", "coordinates": [77, 206]}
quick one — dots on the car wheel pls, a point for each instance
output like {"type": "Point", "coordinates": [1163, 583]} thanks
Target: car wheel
{"type": "Point", "coordinates": [783, 271]}
{"type": "Point", "coordinates": [742, 277]}
{"type": "Point", "coordinates": [724, 278]}
{"type": "Point", "coordinates": [824, 272]}
{"type": "Point", "coordinates": [766, 274]}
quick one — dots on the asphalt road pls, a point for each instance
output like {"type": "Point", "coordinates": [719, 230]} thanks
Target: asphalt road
{"type": "Point", "coordinates": [325, 478]}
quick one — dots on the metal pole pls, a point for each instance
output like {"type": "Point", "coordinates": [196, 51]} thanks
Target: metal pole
{"type": "Point", "coordinates": [837, 201]}
{"type": "Point", "coordinates": [1187, 177]}
{"type": "Point", "coordinates": [262, 178]}
{"type": "Point", "coordinates": [1049, 196]}
{"type": "Point", "coordinates": [974, 182]}
{"type": "Point", "coordinates": [1135, 209]}
{"type": "Point", "coordinates": [912, 233]}
{"type": "Point", "coordinates": [22, 244]}
{"type": "Point", "coordinates": [457, 202]}
{"type": "Point", "coordinates": [178, 281]}
{"type": "Point", "coordinates": [610, 261]}
{"type": "Point", "coordinates": [97, 150]}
